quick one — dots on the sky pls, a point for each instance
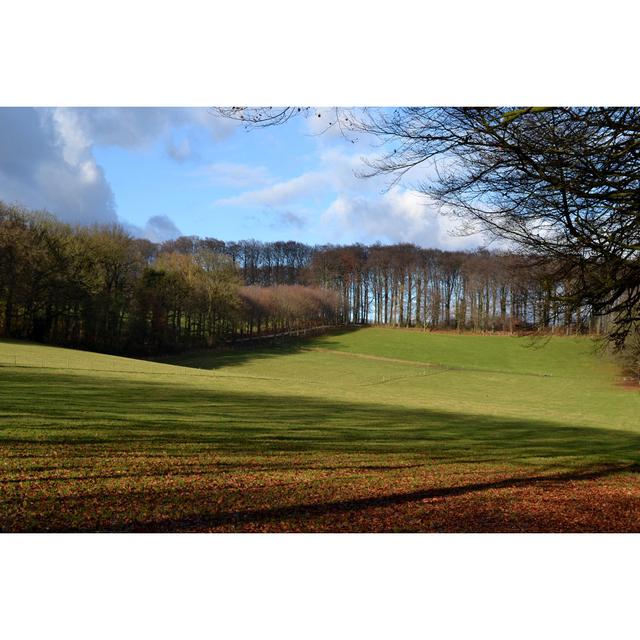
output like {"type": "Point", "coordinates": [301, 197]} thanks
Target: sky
{"type": "Point", "coordinates": [165, 172]}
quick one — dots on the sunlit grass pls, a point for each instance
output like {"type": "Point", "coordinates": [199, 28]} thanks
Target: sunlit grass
{"type": "Point", "coordinates": [92, 441]}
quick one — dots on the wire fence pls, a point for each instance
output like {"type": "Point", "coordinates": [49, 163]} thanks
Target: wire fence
{"type": "Point", "coordinates": [291, 333]}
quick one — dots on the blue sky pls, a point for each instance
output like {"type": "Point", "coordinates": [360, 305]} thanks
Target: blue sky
{"type": "Point", "coordinates": [167, 171]}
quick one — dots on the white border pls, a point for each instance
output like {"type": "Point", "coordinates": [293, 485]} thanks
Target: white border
{"type": "Point", "coordinates": [318, 586]}
{"type": "Point", "coordinates": [295, 586]}
{"type": "Point", "coordinates": [143, 52]}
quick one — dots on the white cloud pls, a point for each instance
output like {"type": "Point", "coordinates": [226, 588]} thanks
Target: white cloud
{"type": "Point", "coordinates": [303, 187]}
{"type": "Point", "coordinates": [336, 173]}
{"type": "Point", "coordinates": [362, 209]}
{"type": "Point", "coordinates": [399, 215]}
{"type": "Point", "coordinates": [46, 163]}
{"type": "Point", "coordinates": [47, 160]}
{"type": "Point", "coordinates": [136, 127]}
{"type": "Point", "coordinates": [233, 174]}
{"type": "Point", "coordinates": [73, 141]}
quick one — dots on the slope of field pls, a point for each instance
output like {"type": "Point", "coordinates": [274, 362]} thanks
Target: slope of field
{"type": "Point", "coordinates": [369, 430]}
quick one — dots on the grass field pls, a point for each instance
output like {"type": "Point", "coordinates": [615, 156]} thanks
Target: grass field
{"type": "Point", "coordinates": [368, 430]}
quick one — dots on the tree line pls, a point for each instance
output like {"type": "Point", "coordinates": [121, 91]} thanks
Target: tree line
{"type": "Point", "coordinates": [561, 184]}
{"type": "Point", "coordinates": [100, 288]}
{"type": "Point", "coordinates": [409, 286]}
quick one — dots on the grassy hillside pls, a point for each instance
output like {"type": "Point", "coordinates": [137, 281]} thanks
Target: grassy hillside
{"type": "Point", "coordinates": [563, 380]}
{"type": "Point", "coordinates": [343, 432]}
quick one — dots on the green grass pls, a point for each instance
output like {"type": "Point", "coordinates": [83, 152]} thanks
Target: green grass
{"type": "Point", "coordinates": [91, 441]}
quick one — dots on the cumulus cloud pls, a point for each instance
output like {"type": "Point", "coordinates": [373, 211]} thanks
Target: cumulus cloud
{"type": "Point", "coordinates": [46, 164]}
{"type": "Point", "coordinates": [399, 215]}
{"type": "Point", "coordinates": [136, 127]}
{"type": "Point", "coordinates": [47, 159]}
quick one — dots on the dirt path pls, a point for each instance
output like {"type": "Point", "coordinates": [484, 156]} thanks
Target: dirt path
{"type": "Point", "coordinates": [381, 358]}
{"type": "Point", "coordinates": [432, 365]}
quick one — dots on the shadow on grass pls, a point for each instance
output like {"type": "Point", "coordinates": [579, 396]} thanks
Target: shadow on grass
{"type": "Point", "coordinates": [217, 358]}
{"type": "Point", "coordinates": [309, 511]}
{"type": "Point", "coordinates": [57, 408]}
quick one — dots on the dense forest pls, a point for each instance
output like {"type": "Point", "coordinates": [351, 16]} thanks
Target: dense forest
{"type": "Point", "coordinates": [100, 288]}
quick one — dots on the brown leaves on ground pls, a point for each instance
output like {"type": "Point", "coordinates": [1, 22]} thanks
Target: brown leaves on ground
{"type": "Point", "coordinates": [87, 488]}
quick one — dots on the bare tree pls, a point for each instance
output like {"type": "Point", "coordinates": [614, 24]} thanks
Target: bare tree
{"type": "Point", "coordinates": [560, 183]}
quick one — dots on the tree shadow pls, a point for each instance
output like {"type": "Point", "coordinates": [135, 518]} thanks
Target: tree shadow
{"type": "Point", "coordinates": [215, 519]}
{"type": "Point", "coordinates": [238, 354]}
{"type": "Point", "coordinates": [69, 409]}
